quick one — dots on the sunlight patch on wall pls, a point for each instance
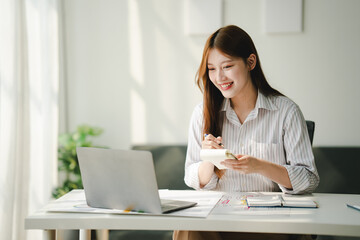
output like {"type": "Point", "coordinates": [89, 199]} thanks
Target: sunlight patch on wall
{"type": "Point", "coordinates": [136, 50]}
{"type": "Point", "coordinates": [138, 118]}
{"type": "Point", "coordinates": [136, 84]}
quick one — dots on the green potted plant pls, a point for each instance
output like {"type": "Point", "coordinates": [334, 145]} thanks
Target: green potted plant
{"type": "Point", "coordinates": [67, 158]}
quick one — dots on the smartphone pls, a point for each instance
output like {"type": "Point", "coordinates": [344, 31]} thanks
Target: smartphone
{"type": "Point", "coordinates": [230, 155]}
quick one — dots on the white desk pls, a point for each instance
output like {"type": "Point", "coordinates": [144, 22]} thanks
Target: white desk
{"type": "Point", "coordinates": [333, 217]}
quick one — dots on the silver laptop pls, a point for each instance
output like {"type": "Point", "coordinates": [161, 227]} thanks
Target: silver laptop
{"type": "Point", "coordinates": [123, 179]}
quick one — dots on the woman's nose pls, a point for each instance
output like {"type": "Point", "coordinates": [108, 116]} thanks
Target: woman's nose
{"type": "Point", "coordinates": [220, 75]}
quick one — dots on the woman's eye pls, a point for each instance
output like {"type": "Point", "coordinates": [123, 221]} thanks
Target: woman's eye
{"type": "Point", "coordinates": [228, 66]}
{"type": "Point", "coordinates": [211, 69]}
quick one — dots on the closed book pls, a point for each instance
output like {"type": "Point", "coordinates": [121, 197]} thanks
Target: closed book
{"type": "Point", "coordinates": [281, 201]}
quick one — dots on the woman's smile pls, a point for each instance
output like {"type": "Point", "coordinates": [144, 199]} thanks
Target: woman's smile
{"type": "Point", "coordinates": [226, 86]}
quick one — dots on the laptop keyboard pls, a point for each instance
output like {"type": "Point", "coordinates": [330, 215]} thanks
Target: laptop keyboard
{"type": "Point", "coordinates": [170, 205]}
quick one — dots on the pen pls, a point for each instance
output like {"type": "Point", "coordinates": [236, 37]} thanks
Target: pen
{"type": "Point", "coordinates": [220, 144]}
{"type": "Point", "coordinates": [354, 206]}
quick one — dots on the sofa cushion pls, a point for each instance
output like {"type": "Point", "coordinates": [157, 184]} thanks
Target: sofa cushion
{"type": "Point", "coordinates": [339, 169]}
{"type": "Point", "coordinates": [169, 163]}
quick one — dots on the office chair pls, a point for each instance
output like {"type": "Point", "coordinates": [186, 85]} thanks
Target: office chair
{"type": "Point", "coordinates": [311, 128]}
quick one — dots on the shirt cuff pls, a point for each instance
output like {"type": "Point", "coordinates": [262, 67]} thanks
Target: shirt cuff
{"type": "Point", "coordinates": [300, 180]}
{"type": "Point", "coordinates": [212, 183]}
{"type": "Point", "coordinates": [192, 178]}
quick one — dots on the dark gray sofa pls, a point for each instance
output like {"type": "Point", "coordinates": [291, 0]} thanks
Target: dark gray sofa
{"type": "Point", "coordinates": [339, 170]}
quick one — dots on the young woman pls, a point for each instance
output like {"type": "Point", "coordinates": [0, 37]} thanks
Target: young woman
{"type": "Point", "coordinates": [243, 113]}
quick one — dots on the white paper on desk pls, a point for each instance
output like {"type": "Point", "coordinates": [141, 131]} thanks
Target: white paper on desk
{"type": "Point", "coordinates": [215, 156]}
{"type": "Point", "coordinates": [235, 204]}
{"type": "Point", "coordinates": [206, 201]}
{"type": "Point", "coordinates": [75, 202]}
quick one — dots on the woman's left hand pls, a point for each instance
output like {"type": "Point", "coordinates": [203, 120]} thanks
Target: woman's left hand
{"type": "Point", "coordinates": [244, 164]}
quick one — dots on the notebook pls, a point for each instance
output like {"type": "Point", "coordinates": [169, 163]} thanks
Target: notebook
{"type": "Point", "coordinates": [280, 201]}
{"type": "Point", "coordinates": [123, 179]}
{"type": "Point", "coordinates": [216, 156]}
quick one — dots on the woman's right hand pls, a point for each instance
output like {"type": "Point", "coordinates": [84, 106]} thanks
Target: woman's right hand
{"type": "Point", "coordinates": [207, 169]}
{"type": "Point", "coordinates": [211, 142]}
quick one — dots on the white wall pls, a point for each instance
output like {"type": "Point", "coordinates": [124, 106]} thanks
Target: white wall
{"type": "Point", "coordinates": [130, 67]}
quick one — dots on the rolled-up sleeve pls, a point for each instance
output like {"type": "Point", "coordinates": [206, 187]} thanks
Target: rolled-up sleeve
{"type": "Point", "coordinates": [193, 160]}
{"type": "Point", "coordinates": [300, 162]}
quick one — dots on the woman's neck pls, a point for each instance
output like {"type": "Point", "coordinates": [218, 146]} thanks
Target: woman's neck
{"type": "Point", "coordinates": [245, 102]}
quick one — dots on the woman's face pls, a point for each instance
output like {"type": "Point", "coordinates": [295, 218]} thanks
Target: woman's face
{"type": "Point", "coordinates": [230, 75]}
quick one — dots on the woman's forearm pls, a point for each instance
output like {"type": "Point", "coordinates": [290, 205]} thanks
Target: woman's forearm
{"type": "Point", "coordinates": [276, 173]}
{"type": "Point", "coordinates": [206, 170]}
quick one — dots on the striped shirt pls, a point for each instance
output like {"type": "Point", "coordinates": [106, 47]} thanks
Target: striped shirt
{"type": "Point", "coordinates": [275, 130]}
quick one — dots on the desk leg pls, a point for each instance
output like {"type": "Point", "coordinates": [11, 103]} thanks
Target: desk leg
{"type": "Point", "coordinates": [85, 234]}
{"type": "Point", "coordinates": [49, 234]}
{"type": "Point", "coordinates": [102, 234]}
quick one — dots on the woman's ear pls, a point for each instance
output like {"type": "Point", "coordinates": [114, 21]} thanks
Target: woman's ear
{"type": "Point", "coordinates": [251, 61]}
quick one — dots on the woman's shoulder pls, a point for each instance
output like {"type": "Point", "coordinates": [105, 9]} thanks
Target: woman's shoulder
{"type": "Point", "coordinates": [199, 107]}
{"type": "Point", "coordinates": [284, 103]}
{"type": "Point", "coordinates": [198, 110]}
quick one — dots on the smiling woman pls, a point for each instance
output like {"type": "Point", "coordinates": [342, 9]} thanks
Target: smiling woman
{"type": "Point", "coordinates": [228, 46]}
{"type": "Point", "coordinates": [244, 114]}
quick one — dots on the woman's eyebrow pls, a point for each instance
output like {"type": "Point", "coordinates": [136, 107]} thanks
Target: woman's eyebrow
{"type": "Point", "coordinates": [226, 61]}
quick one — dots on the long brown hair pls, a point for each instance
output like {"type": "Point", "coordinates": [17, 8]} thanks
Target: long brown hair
{"type": "Point", "coordinates": [234, 42]}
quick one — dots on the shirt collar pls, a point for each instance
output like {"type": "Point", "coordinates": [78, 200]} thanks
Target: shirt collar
{"type": "Point", "coordinates": [261, 102]}
{"type": "Point", "coordinates": [264, 102]}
